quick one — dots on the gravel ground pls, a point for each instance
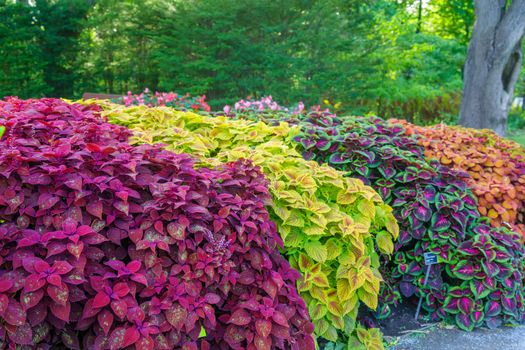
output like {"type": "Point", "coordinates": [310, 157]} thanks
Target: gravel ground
{"type": "Point", "coordinates": [506, 338]}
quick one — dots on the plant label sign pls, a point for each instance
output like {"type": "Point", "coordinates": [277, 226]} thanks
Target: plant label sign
{"type": "Point", "coordinates": [430, 258]}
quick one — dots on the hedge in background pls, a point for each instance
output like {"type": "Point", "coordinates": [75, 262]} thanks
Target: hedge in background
{"type": "Point", "coordinates": [479, 279]}
{"type": "Point", "coordinates": [104, 245]}
{"type": "Point", "coordinates": [331, 226]}
{"type": "Point", "coordinates": [496, 167]}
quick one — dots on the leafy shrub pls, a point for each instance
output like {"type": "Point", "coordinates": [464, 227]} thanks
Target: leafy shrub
{"type": "Point", "coordinates": [170, 99]}
{"type": "Point", "coordinates": [330, 225]}
{"type": "Point", "coordinates": [436, 212]}
{"type": "Point", "coordinates": [516, 120]}
{"type": "Point", "coordinates": [496, 167]}
{"type": "Point", "coordinates": [490, 138]}
{"type": "Point", "coordinates": [480, 268]}
{"type": "Point", "coordinates": [108, 246]}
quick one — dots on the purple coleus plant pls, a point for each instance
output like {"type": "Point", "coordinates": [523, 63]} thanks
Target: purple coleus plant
{"type": "Point", "coordinates": [108, 246]}
{"type": "Point", "coordinates": [436, 213]}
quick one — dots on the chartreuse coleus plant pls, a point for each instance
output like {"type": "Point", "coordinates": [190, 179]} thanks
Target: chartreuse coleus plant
{"type": "Point", "coordinates": [496, 167]}
{"type": "Point", "coordinates": [108, 246]}
{"type": "Point", "coordinates": [333, 227]}
{"type": "Point", "coordinates": [479, 279]}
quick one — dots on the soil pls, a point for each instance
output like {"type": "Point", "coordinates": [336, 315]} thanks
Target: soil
{"type": "Point", "coordinates": [401, 320]}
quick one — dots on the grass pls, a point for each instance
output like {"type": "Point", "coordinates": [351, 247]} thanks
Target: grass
{"type": "Point", "coordinates": [518, 136]}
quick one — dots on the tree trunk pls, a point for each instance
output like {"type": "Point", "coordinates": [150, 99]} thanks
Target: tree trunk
{"type": "Point", "coordinates": [493, 62]}
{"type": "Point", "coordinates": [419, 16]}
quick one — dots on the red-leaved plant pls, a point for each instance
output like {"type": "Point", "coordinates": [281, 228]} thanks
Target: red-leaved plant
{"type": "Point", "coordinates": [108, 246]}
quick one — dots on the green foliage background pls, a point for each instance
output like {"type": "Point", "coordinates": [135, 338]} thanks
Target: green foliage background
{"type": "Point", "coordinates": [375, 56]}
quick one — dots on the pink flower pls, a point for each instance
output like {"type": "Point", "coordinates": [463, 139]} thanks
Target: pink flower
{"type": "Point", "coordinates": [299, 109]}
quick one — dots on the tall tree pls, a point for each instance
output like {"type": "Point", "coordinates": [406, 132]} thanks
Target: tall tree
{"type": "Point", "coordinates": [493, 63]}
{"type": "Point", "coordinates": [21, 63]}
{"type": "Point", "coordinates": [61, 23]}
{"type": "Point", "coordinates": [452, 19]}
{"type": "Point", "coordinates": [116, 46]}
{"type": "Point", "coordinates": [227, 48]}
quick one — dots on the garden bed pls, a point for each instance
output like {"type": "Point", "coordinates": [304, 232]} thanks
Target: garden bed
{"type": "Point", "coordinates": [157, 224]}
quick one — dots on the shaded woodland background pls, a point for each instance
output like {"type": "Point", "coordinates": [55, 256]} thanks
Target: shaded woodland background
{"type": "Point", "coordinates": [391, 58]}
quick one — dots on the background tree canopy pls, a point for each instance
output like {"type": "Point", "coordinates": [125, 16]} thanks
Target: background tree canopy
{"type": "Point", "coordinates": [399, 58]}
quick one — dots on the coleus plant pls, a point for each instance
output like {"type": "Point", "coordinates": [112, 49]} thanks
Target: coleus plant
{"type": "Point", "coordinates": [169, 99]}
{"type": "Point", "coordinates": [491, 139]}
{"type": "Point", "coordinates": [496, 167]}
{"type": "Point", "coordinates": [108, 246]}
{"type": "Point", "coordinates": [374, 151]}
{"type": "Point", "coordinates": [436, 212]}
{"type": "Point", "coordinates": [333, 227]}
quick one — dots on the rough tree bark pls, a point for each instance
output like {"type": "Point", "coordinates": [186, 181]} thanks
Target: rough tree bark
{"type": "Point", "coordinates": [493, 63]}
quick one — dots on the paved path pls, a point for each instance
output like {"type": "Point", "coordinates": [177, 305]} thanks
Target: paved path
{"type": "Point", "coordinates": [505, 338]}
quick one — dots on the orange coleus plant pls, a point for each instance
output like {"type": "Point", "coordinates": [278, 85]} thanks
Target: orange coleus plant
{"type": "Point", "coordinates": [490, 138]}
{"type": "Point", "coordinates": [496, 167]}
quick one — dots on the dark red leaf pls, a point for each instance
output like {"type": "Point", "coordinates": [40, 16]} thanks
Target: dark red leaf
{"type": "Point", "coordinates": [23, 335]}
{"type": "Point", "coordinates": [121, 289]}
{"type": "Point", "coordinates": [263, 327]}
{"type": "Point", "coordinates": [145, 343]}
{"type": "Point", "coordinates": [34, 282]}
{"type": "Point", "coordinates": [101, 300]}
{"type": "Point", "coordinates": [240, 317]}
{"type": "Point", "coordinates": [30, 299]}
{"type": "Point", "coordinates": [95, 208]}
{"type": "Point", "coordinates": [212, 298]}
{"type": "Point", "coordinates": [14, 314]}
{"type": "Point", "coordinates": [62, 267]}
{"type": "Point", "coordinates": [131, 336]}
{"type": "Point", "coordinates": [262, 343]}
{"type": "Point", "coordinates": [61, 311]}
{"type": "Point", "coordinates": [120, 308]}
{"type": "Point", "coordinates": [117, 338]}
{"type": "Point", "coordinates": [105, 320]}
{"type": "Point", "coordinates": [4, 301]}
{"type": "Point", "coordinates": [59, 294]}
{"type": "Point", "coordinates": [280, 319]}
{"type": "Point", "coordinates": [176, 316]}
{"type": "Point", "coordinates": [75, 249]}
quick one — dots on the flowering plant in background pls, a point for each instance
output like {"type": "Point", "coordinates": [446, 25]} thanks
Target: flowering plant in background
{"type": "Point", "coordinates": [169, 99]}
{"type": "Point", "coordinates": [108, 246]}
{"type": "Point", "coordinates": [264, 104]}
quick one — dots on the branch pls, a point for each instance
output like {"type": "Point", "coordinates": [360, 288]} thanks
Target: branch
{"type": "Point", "coordinates": [512, 28]}
{"type": "Point", "coordinates": [488, 13]}
{"type": "Point", "coordinates": [512, 69]}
